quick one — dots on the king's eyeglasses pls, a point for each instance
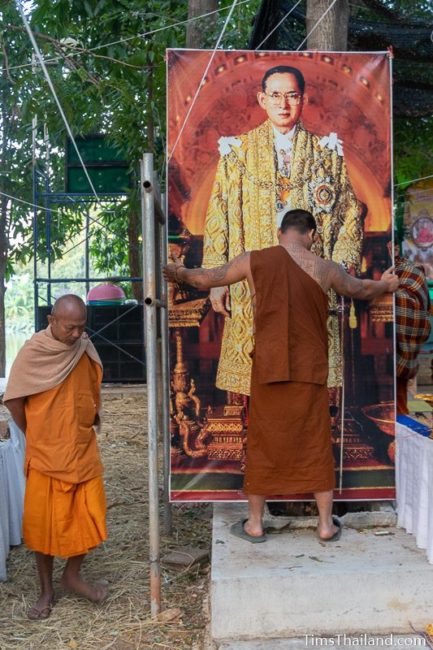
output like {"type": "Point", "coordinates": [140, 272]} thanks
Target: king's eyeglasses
{"type": "Point", "coordinates": [293, 98]}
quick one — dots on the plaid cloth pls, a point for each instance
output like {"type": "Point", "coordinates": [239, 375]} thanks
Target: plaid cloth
{"type": "Point", "coordinates": [412, 310]}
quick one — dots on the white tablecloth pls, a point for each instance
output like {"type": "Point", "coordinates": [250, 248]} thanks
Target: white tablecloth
{"type": "Point", "coordinates": [12, 485]}
{"type": "Point", "coordinates": [414, 477]}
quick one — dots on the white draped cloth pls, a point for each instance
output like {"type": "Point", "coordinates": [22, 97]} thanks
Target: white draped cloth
{"type": "Point", "coordinates": [414, 476]}
{"type": "Point", "coordinates": [12, 485]}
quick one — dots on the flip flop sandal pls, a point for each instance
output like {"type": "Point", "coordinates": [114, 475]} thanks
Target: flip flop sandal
{"type": "Point", "coordinates": [238, 530]}
{"type": "Point", "coordinates": [336, 536]}
{"type": "Point", "coordinates": [36, 614]}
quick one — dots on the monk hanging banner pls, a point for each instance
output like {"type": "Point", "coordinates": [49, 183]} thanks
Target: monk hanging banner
{"type": "Point", "coordinates": [242, 152]}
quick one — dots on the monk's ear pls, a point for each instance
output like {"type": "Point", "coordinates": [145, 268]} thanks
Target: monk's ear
{"type": "Point", "coordinates": [49, 319]}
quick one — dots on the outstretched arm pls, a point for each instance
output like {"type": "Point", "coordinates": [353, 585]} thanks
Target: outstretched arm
{"type": "Point", "coordinates": [235, 271]}
{"type": "Point", "coordinates": [346, 285]}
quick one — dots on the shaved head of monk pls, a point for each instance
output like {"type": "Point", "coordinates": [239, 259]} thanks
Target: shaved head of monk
{"type": "Point", "coordinates": [68, 319]}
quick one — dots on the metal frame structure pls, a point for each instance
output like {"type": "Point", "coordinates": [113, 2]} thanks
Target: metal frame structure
{"type": "Point", "coordinates": [45, 200]}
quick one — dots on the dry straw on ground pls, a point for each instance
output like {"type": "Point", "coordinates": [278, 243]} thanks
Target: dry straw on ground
{"type": "Point", "coordinates": [123, 622]}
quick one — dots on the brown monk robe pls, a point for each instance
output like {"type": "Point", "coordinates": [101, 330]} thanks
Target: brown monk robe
{"type": "Point", "coordinates": [289, 433]}
{"type": "Point", "coordinates": [53, 394]}
{"type": "Point", "coordinates": [289, 437]}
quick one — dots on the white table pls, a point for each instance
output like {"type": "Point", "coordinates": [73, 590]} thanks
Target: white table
{"type": "Point", "coordinates": [12, 485]}
{"type": "Point", "coordinates": [414, 478]}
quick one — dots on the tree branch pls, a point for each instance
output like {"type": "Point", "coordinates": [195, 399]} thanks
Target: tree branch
{"type": "Point", "coordinates": [60, 48]}
{"type": "Point", "coordinates": [6, 61]}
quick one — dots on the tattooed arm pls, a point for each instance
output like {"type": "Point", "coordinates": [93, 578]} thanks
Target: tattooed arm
{"type": "Point", "coordinates": [235, 271]}
{"type": "Point", "coordinates": [346, 285]}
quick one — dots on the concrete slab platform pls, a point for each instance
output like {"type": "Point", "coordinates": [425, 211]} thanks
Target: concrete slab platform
{"type": "Point", "coordinates": [294, 585]}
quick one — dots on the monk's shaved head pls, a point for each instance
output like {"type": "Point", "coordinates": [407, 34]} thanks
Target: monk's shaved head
{"type": "Point", "coordinates": [69, 304]}
{"type": "Point", "coordinates": [68, 319]}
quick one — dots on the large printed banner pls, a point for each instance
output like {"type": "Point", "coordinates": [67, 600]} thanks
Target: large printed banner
{"type": "Point", "coordinates": [250, 136]}
{"type": "Point", "coordinates": [418, 225]}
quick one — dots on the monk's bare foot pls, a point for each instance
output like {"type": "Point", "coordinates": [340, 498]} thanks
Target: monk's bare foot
{"type": "Point", "coordinates": [255, 530]}
{"type": "Point", "coordinates": [95, 593]}
{"type": "Point", "coordinates": [327, 531]}
{"type": "Point", "coordinates": [41, 610]}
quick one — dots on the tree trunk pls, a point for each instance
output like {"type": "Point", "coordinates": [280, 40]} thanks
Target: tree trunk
{"type": "Point", "coordinates": [331, 31]}
{"type": "Point", "coordinates": [4, 240]}
{"type": "Point", "coordinates": [3, 262]}
{"type": "Point", "coordinates": [2, 329]}
{"type": "Point", "coordinates": [197, 30]}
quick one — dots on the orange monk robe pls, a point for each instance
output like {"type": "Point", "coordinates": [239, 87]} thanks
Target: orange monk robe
{"type": "Point", "coordinates": [64, 506]}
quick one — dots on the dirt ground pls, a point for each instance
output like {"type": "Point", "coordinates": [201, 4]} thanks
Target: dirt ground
{"type": "Point", "coordinates": [123, 622]}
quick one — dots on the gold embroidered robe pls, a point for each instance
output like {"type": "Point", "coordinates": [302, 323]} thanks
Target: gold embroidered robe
{"type": "Point", "coordinates": [241, 217]}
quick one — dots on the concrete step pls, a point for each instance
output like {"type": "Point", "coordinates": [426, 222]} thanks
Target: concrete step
{"type": "Point", "coordinates": [294, 585]}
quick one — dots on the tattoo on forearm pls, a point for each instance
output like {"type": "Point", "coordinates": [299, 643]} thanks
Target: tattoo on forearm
{"type": "Point", "coordinates": [212, 275]}
{"type": "Point", "coordinates": [219, 273]}
{"type": "Point", "coordinates": [217, 276]}
{"type": "Point", "coordinates": [196, 277]}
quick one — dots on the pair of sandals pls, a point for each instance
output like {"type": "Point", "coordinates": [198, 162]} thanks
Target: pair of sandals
{"type": "Point", "coordinates": [238, 530]}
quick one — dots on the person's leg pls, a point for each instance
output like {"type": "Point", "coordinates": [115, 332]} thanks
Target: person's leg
{"type": "Point", "coordinates": [326, 528]}
{"type": "Point", "coordinates": [256, 506]}
{"type": "Point", "coordinates": [42, 607]}
{"type": "Point", "coordinates": [72, 581]}
{"type": "Point", "coordinates": [402, 408]}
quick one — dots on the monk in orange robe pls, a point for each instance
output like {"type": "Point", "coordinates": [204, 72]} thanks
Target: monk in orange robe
{"type": "Point", "coordinates": [53, 394]}
{"type": "Point", "coordinates": [289, 433]}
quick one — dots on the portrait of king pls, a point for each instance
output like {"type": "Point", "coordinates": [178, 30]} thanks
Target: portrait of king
{"type": "Point", "coordinates": [261, 174]}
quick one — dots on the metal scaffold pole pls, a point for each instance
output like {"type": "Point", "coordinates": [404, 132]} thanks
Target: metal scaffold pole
{"type": "Point", "coordinates": [165, 376]}
{"type": "Point", "coordinates": [150, 320]}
